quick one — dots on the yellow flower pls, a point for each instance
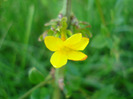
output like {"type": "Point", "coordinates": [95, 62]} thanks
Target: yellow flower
{"type": "Point", "coordinates": [66, 50]}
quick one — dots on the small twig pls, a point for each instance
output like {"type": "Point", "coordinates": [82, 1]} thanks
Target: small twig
{"type": "Point", "coordinates": [37, 86]}
{"type": "Point", "coordinates": [59, 73]}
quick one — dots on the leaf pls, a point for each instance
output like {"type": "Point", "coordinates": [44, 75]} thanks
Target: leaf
{"type": "Point", "coordinates": [109, 43]}
{"type": "Point", "coordinates": [129, 87]}
{"type": "Point", "coordinates": [69, 32]}
{"type": "Point", "coordinates": [63, 24]}
{"type": "Point", "coordinates": [67, 91]}
{"type": "Point", "coordinates": [3, 94]}
{"type": "Point", "coordinates": [41, 93]}
{"type": "Point", "coordinates": [99, 41]}
{"type": "Point", "coordinates": [44, 2]}
{"type": "Point", "coordinates": [84, 31]}
{"type": "Point", "coordinates": [35, 76]}
{"type": "Point", "coordinates": [103, 93]}
{"type": "Point", "coordinates": [50, 32]}
{"type": "Point", "coordinates": [104, 30]}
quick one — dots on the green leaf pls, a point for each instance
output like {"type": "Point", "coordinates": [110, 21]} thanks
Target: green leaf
{"type": "Point", "coordinates": [103, 93]}
{"type": "Point", "coordinates": [69, 32]}
{"type": "Point", "coordinates": [44, 2]}
{"type": "Point", "coordinates": [84, 31]}
{"type": "Point", "coordinates": [104, 30]}
{"type": "Point", "coordinates": [63, 24]}
{"type": "Point", "coordinates": [35, 76]}
{"type": "Point", "coordinates": [99, 41]}
{"type": "Point", "coordinates": [67, 91]}
{"type": "Point", "coordinates": [75, 83]}
{"type": "Point", "coordinates": [3, 94]}
{"type": "Point", "coordinates": [109, 43]}
{"type": "Point", "coordinates": [41, 93]}
{"type": "Point", "coordinates": [50, 32]}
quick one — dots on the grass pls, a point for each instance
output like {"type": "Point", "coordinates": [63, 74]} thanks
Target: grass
{"type": "Point", "coordinates": [106, 74]}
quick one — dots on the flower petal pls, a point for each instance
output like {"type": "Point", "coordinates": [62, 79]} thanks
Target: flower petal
{"type": "Point", "coordinates": [81, 45]}
{"type": "Point", "coordinates": [73, 39]}
{"type": "Point", "coordinates": [53, 43]}
{"type": "Point", "coordinates": [76, 56]}
{"type": "Point", "coordinates": [58, 59]}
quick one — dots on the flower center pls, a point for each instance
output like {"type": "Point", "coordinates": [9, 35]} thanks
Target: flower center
{"type": "Point", "coordinates": [65, 50]}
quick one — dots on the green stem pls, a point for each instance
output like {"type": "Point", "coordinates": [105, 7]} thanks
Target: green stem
{"type": "Point", "coordinates": [37, 86]}
{"type": "Point", "coordinates": [59, 74]}
{"type": "Point", "coordinates": [100, 12]}
{"type": "Point", "coordinates": [102, 17]}
{"type": "Point", "coordinates": [67, 10]}
{"type": "Point", "coordinates": [56, 94]}
{"type": "Point", "coordinates": [27, 34]}
{"type": "Point", "coordinates": [4, 35]}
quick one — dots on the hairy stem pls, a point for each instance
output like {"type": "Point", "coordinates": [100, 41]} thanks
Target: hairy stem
{"type": "Point", "coordinates": [56, 94]}
{"type": "Point", "coordinates": [68, 11]}
{"type": "Point", "coordinates": [59, 74]}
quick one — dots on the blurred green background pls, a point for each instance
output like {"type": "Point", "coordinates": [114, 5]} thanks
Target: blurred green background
{"type": "Point", "coordinates": [106, 74]}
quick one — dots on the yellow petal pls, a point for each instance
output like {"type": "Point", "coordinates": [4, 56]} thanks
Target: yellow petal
{"type": "Point", "coordinates": [81, 45]}
{"type": "Point", "coordinates": [73, 39]}
{"type": "Point", "coordinates": [53, 43]}
{"type": "Point", "coordinates": [76, 56]}
{"type": "Point", "coordinates": [58, 59]}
